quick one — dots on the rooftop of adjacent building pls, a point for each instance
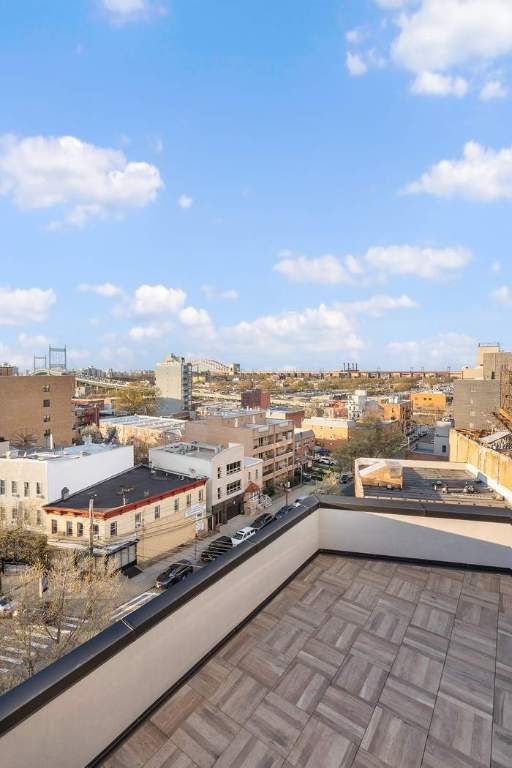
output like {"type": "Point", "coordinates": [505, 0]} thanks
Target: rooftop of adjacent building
{"type": "Point", "coordinates": [140, 420]}
{"type": "Point", "coordinates": [428, 481]}
{"type": "Point", "coordinates": [194, 449]}
{"type": "Point", "coordinates": [69, 453]}
{"type": "Point", "coordinates": [132, 486]}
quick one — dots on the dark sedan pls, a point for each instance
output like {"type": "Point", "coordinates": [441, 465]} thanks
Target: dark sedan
{"type": "Point", "coordinates": [261, 521]}
{"type": "Point", "coordinates": [216, 548]}
{"type": "Point", "coordinates": [174, 574]}
{"type": "Point", "coordinates": [284, 511]}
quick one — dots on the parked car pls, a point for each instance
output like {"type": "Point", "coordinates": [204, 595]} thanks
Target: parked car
{"type": "Point", "coordinates": [242, 535]}
{"type": "Point", "coordinates": [284, 511]}
{"type": "Point", "coordinates": [216, 548]}
{"type": "Point", "coordinates": [7, 607]}
{"type": "Point", "coordinates": [261, 521]}
{"type": "Point", "coordinates": [306, 477]}
{"type": "Point", "coordinates": [345, 478]}
{"type": "Point", "coordinates": [175, 573]}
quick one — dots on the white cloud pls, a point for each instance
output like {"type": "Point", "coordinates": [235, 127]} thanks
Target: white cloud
{"type": "Point", "coordinates": [103, 289]}
{"type": "Point", "coordinates": [144, 332]}
{"type": "Point", "coordinates": [326, 270]}
{"type": "Point", "coordinates": [125, 11]}
{"type": "Point", "coordinates": [377, 305]}
{"type": "Point", "coordinates": [22, 305]}
{"type": "Point", "coordinates": [502, 295]}
{"type": "Point", "coordinates": [355, 36]}
{"type": "Point", "coordinates": [79, 179]}
{"type": "Point", "coordinates": [378, 261]}
{"type": "Point", "coordinates": [395, 5]}
{"type": "Point", "coordinates": [355, 64]}
{"type": "Point", "coordinates": [442, 34]}
{"type": "Point", "coordinates": [493, 89]}
{"type": "Point", "coordinates": [482, 174]}
{"type": "Point", "coordinates": [32, 342]}
{"type": "Point", "coordinates": [77, 354]}
{"type": "Point", "coordinates": [192, 317]}
{"type": "Point", "coordinates": [158, 299]}
{"type": "Point", "coordinates": [230, 294]}
{"type": "Point", "coordinates": [496, 266]}
{"type": "Point", "coordinates": [184, 201]}
{"type": "Point", "coordinates": [440, 351]}
{"type": "Point", "coordinates": [427, 263]}
{"type": "Point", "coordinates": [435, 84]}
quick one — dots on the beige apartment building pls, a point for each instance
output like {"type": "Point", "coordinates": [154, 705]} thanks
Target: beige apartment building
{"type": "Point", "coordinates": [37, 409]}
{"type": "Point", "coordinates": [270, 440]}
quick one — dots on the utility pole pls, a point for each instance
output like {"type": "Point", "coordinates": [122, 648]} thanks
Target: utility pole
{"type": "Point", "coordinates": [91, 531]}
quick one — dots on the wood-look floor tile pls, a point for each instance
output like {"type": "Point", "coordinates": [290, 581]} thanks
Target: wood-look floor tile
{"type": "Point", "coordinates": [438, 600]}
{"type": "Point", "coordinates": [306, 617]}
{"type": "Point", "coordinates": [503, 696]}
{"type": "Point", "coordinates": [338, 633]}
{"type": "Point", "coordinates": [444, 585]}
{"type": "Point", "coordinates": [246, 751]}
{"type": "Point", "coordinates": [361, 678]}
{"type": "Point", "coordinates": [320, 745]}
{"type": "Point", "coordinates": [413, 705]}
{"type": "Point", "coordinates": [417, 573]}
{"type": "Point", "coordinates": [239, 695]}
{"type": "Point", "coordinates": [302, 686]}
{"type": "Point", "coordinates": [504, 648]}
{"type": "Point", "coordinates": [433, 620]}
{"type": "Point", "coordinates": [477, 612]}
{"type": "Point", "coordinates": [236, 648]}
{"type": "Point", "coordinates": [426, 642]}
{"type": "Point", "coordinates": [404, 589]}
{"type": "Point", "coordinates": [320, 656]}
{"type": "Point", "coordinates": [395, 742]}
{"type": "Point", "coordinates": [439, 755]}
{"type": "Point", "coordinates": [335, 581]}
{"type": "Point", "coordinates": [375, 649]}
{"type": "Point", "coordinates": [471, 655]}
{"type": "Point", "coordinates": [462, 728]}
{"type": "Point", "coordinates": [387, 624]}
{"type": "Point", "coordinates": [169, 756]}
{"type": "Point", "coordinates": [477, 638]}
{"type": "Point", "coordinates": [469, 684]}
{"type": "Point", "coordinates": [481, 581]}
{"type": "Point", "coordinates": [345, 713]}
{"type": "Point", "coordinates": [384, 567]}
{"type": "Point", "coordinates": [174, 710]}
{"type": "Point", "coordinates": [261, 625]}
{"type": "Point", "coordinates": [205, 734]}
{"type": "Point", "coordinates": [320, 596]}
{"type": "Point", "coordinates": [397, 605]}
{"type": "Point", "coordinates": [264, 665]}
{"type": "Point", "coordinates": [501, 747]}
{"type": "Point", "coordinates": [350, 612]}
{"type": "Point", "coordinates": [277, 723]}
{"type": "Point", "coordinates": [208, 679]}
{"type": "Point", "coordinates": [381, 579]}
{"type": "Point", "coordinates": [418, 669]}
{"type": "Point", "coordinates": [286, 639]}
{"type": "Point", "coordinates": [138, 748]}
{"type": "Point", "coordinates": [363, 593]}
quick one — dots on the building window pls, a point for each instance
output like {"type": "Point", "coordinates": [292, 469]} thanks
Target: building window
{"type": "Point", "coordinates": [201, 494]}
{"type": "Point", "coordinates": [46, 387]}
{"type": "Point", "coordinates": [2, 487]}
{"type": "Point", "coordinates": [157, 511]}
{"type": "Point", "coordinates": [177, 504]}
{"type": "Point", "coordinates": [113, 529]}
{"type": "Point", "coordinates": [14, 514]}
{"type": "Point", "coordinates": [233, 467]}
{"type": "Point", "coordinates": [26, 489]}
{"type": "Point", "coordinates": [39, 517]}
{"type": "Point", "coordinates": [39, 489]}
{"type": "Point", "coordinates": [257, 473]}
{"type": "Point", "coordinates": [54, 526]}
{"type": "Point", "coordinates": [46, 419]}
{"type": "Point", "coordinates": [79, 529]}
{"type": "Point", "coordinates": [189, 499]}
{"type": "Point", "coordinates": [219, 493]}
{"type": "Point", "coordinates": [95, 530]}
{"type": "Point", "coordinates": [233, 487]}
{"type": "Point", "coordinates": [138, 519]}
{"type": "Point", "coordinates": [69, 528]}
{"type": "Point", "coordinates": [46, 403]}
{"type": "Point", "coordinates": [219, 473]}
{"type": "Point", "coordinates": [14, 488]}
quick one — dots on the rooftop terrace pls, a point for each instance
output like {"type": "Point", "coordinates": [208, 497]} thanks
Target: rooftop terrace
{"type": "Point", "coordinates": [356, 662]}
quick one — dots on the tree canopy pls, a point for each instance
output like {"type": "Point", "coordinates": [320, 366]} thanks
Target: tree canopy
{"type": "Point", "coordinates": [372, 439]}
{"type": "Point", "coordinates": [137, 399]}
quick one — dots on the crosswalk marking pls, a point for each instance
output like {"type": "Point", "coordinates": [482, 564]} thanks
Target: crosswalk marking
{"type": "Point", "coordinates": [131, 605]}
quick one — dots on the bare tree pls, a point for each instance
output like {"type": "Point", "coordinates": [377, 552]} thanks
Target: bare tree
{"type": "Point", "coordinates": [137, 399]}
{"type": "Point", "coordinates": [77, 605]}
{"type": "Point", "coordinates": [24, 441]}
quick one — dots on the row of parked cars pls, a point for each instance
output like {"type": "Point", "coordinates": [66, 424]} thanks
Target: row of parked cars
{"type": "Point", "coordinates": [178, 571]}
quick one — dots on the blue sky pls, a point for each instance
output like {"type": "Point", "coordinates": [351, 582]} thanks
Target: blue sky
{"type": "Point", "coordinates": [280, 184]}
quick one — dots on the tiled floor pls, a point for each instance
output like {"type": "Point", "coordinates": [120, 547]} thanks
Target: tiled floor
{"type": "Point", "coordinates": [355, 663]}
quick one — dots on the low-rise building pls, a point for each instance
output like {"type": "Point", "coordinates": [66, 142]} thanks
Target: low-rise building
{"type": "Point", "coordinates": [29, 480]}
{"type": "Point", "coordinates": [255, 398]}
{"type": "Point", "coordinates": [270, 440]}
{"type": "Point", "coordinates": [224, 466]}
{"type": "Point", "coordinates": [329, 433]}
{"type": "Point", "coordinates": [142, 430]}
{"type": "Point", "coordinates": [296, 415]}
{"type": "Point", "coordinates": [137, 515]}
{"type": "Point", "coordinates": [356, 404]}
{"type": "Point", "coordinates": [475, 404]}
{"type": "Point", "coordinates": [429, 402]}
{"type": "Point", "coordinates": [397, 409]}
{"type": "Point", "coordinates": [304, 448]}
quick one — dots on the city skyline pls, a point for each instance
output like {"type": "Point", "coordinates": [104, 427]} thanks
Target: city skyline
{"type": "Point", "coordinates": [278, 186]}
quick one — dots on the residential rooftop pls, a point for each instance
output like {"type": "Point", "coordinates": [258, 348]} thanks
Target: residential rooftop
{"type": "Point", "coordinates": [193, 448]}
{"type": "Point", "coordinates": [72, 452]}
{"type": "Point", "coordinates": [140, 420]}
{"type": "Point", "coordinates": [130, 487]}
{"type": "Point", "coordinates": [356, 662]}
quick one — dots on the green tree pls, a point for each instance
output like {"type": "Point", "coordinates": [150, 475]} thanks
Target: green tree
{"type": "Point", "coordinates": [137, 399]}
{"type": "Point", "coordinates": [372, 439]}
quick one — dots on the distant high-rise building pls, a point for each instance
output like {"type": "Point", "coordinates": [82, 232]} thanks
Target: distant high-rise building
{"type": "Point", "coordinates": [255, 398]}
{"type": "Point", "coordinates": [174, 383]}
